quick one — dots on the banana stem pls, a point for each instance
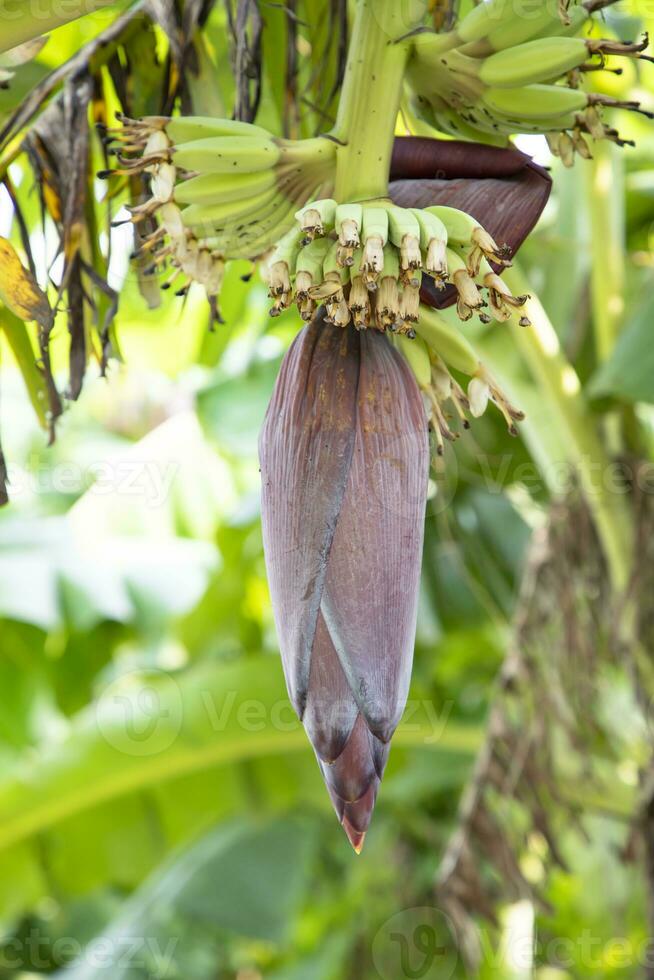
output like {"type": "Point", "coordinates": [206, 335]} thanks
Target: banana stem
{"type": "Point", "coordinates": [22, 22]}
{"type": "Point", "coordinates": [370, 97]}
{"type": "Point", "coordinates": [606, 209]}
{"type": "Point", "coordinates": [566, 406]}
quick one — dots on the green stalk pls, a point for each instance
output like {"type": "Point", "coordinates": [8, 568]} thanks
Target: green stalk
{"type": "Point", "coordinates": [605, 196]}
{"type": "Point", "coordinates": [21, 21]}
{"type": "Point", "coordinates": [606, 210]}
{"type": "Point", "coordinates": [21, 346]}
{"type": "Point", "coordinates": [566, 408]}
{"type": "Point", "coordinates": [370, 97]}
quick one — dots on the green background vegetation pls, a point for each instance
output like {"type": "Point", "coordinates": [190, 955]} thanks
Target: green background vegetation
{"type": "Point", "coordinates": [155, 792]}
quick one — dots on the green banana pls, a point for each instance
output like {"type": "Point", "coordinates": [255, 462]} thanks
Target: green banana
{"type": "Point", "coordinates": [410, 301]}
{"type": "Point", "coordinates": [374, 235]}
{"type": "Point", "coordinates": [288, 249]}
{"type": "Point", "coordinates": [405, 233]}
{"type": "Point", "coordinates": [530, 102]}
{"type": "Point", "coordinates": [317, 218]}
{"type": "Point", "coordinates": [359, 300]}
{"type": "Point", "coordinates": [416, 354]}
{"type": "Point", "coordinates": [201, 215]}
{"type": "Point", "coordinates": [222, 154]}
{"type": "Point", "coordinates": [433, 242]}
{"type": "Point", "coordinates": [483, 19]}
{"type": "Point", "coordinates": [281, 268]}
{"type": "Point", "coordinates": [251, 239]}
{"type": "Point", "coordinates": [446, 119]}
{"type": "Point", "coordinates": [446, 341]}
{"type": "Point", "coordinates": [309, 266]}
{"type": "Point", "coordinates": [534, 62]}
{"type": "Point", "coordinates": [334, 277]}
{"type": "Point", "coordinates": [184, 129]}
{"type": "Point", "coordinates": [330, 290]}
{"type": "Point", "coordinates": [222, 188]}
{"type": "Point", "coordinates": [387, 302]}
{"type": "Point", "coordinates": [465, 230]}
{"type": "Point", "coordinates": [347, 223]}
{"type": "Point", "coordinates": [459, 225]}
{"type": "Point", "coordinates": [514, 30]}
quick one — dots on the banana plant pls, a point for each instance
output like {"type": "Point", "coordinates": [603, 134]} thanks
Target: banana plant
{"type": "Point", "coordinates": [395, 251]}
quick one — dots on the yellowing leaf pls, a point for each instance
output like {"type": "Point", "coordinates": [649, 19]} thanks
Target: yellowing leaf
{"type": "Point", "coordinates": [19, 290]}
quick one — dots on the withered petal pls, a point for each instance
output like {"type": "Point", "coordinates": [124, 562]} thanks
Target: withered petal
{"type": "Point", "coordinates": [305, 449]}
{"type": "Point", "coordinates": [371, 589]}
{"type": "Point", "coordinates": [506, 202]}
{"type": "Point", "coordinates": [423, 156]}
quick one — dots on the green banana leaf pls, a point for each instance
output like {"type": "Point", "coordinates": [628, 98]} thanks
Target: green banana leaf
{"type": "Point", "coordinates": [247, 879]}
{"type": "Point", "coordinates": [164, 750]}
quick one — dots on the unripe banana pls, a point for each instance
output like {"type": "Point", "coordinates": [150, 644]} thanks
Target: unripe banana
{"type": "Point", "coordinates": [347, 223]}
{"type": "Point", "coordinates": [184, 129]}
{"type": "Point", "coordinates": [309, 265]}
{"type": "Point", "coordinates": [224, 154]}
{"type": "Point", "coordinates": [433, 242]}
{"type": "Point", "coordinates": [544, 21]}
{"type": "Point", "coordinates": [533, 62]}
{"type": "Point", "coordinates": [446, 341]}
{"type": "Point", "coordinates": [404, 232]}
{"type": "Point", "coordinates": [281, 268]}
{"type": "Point", "coordinates": [334, 277]}
{"type": "Point", "coordinates": [288, 248]}
{"type": "Point", "coordinates": [417, 355]}
{"type": "Point", "coordinates": [530, 102]}
{"type": "Point", "coordinates": [359, 301]}
{"type": "Point", "coordinates": [207, 215]}
{"type": "Point", "coordinates": [255, 237]}
{"type": "Point", "coordinates": [387, 301]}
{"type": "Point", "coordinates": [375, 236]}
{"type": "Point", "coordinates": [317, 218]}
{"type": "Point", "coordinates": [459, 224]}
{"type": "Point", "coordinates": [330, 266]}
{"type": "Point", "coordinates": [463, 229]}
{"type": "Point", "coordinates": [219, 188]}
{"type": "Point", "coordinates": [482, 19]}
{"type": "Point", "coordinates": [410, 301]}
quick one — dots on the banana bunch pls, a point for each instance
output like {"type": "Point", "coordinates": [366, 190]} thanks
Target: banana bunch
{"type": "Point", "coordinates": [220, 189]}
{"type": "Point", "coordinates": [498, 74]}
{"type": "Point", "coordinates": [438, 350]}
{"type": "Point", "coordinates": [365, 263]}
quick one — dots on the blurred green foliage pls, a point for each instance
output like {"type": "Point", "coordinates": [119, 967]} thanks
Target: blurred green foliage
{"type": "Point", "coordinates": [161, 814]}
